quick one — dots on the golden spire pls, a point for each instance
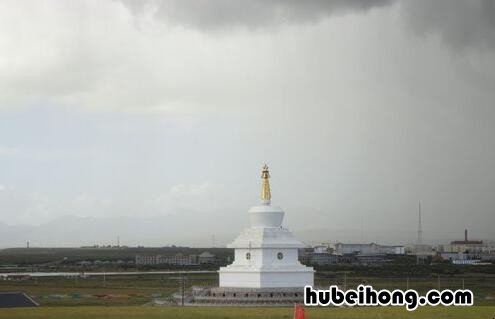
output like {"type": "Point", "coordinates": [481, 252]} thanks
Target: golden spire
{"type": "Point", "coordinates": [265, 185]}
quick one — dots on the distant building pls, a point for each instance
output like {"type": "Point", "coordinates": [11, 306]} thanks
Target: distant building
{"type": "Point", "coordinates": [206, 258]}
{"type": "Point", "coordinates": [320, 256]}
{"type": "Point", "coordinates": [176, 260]}
{"type": "Point", "coordinates": [148, 260]}
{"type": "Point", "coordinates": [368, 249]}
{"type": "Point", "coordinates": [372, 259]}
{"type": "Point", "coordinates": [467, 246]}
{"type": "Point", "coordinates": [451, 256]}
{"type": "Point", "coordinates": [350, 254]}
{"type": "Point", "coordinates": [463, 252]}
{"type": "Point", "coordinates": [182, 260]}
{"type": "Point", "coordinates": [466, 261]}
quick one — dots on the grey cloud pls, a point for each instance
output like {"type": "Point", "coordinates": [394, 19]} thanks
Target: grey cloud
{"type": "Point", "coordinates": [210, 14]}
{"type": "Point", "coordinates": [460, 24]}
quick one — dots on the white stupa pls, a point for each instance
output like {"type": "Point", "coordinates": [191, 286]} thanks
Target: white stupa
{"type": "Point", "coordinates": [266, 254]}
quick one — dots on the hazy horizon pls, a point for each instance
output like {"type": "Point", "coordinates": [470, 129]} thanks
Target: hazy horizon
{"type": "Point", "coordinates": [151, 120]}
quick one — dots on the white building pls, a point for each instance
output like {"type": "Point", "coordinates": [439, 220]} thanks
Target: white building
{"type": "Point", "coordinates": [206, 258]}
{"type": "Point", "coordinates": [266, 254]}
{"type": "Point", "coordinates": [177, 259]}
{"type": "Point", "coordinates": [368, 249]}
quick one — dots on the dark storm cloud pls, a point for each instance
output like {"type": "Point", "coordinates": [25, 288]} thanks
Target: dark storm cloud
{"type": "Point", "coordinates": [219, 14]}
{"type": "Point", "coordinates": [460, 24]}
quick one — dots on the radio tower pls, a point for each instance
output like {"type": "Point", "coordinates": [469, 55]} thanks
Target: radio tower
{"type": "Point", "coordinates": [420, 229]}
{"type": "Point", "coordinates": [420, 253]}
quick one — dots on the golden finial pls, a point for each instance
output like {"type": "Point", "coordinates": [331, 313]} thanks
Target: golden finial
{"type": "Point", "coordinates": [265, 185]}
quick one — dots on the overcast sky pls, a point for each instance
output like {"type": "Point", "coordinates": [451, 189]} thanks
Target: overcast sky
{"type": "Point", "coordinates": [166, 111]}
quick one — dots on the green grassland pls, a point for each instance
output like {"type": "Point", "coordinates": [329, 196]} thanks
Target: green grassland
{"type": "Point", "coordinates": [136, 290]}
{"type": "Point", "coordinates": [124, 296]}
{"type": "Point", "coordinates": [482, 285]}
{"type": "Point", "coordinates": [118, 290]}
{"type": "Point", "coordinates": [245, 312]}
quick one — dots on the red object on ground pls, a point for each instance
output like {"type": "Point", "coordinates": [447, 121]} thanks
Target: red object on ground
{"type": "Point", "coordinates": [298, 311]}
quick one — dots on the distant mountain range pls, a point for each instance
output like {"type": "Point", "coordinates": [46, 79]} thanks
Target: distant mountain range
{"type": "Point", "coordinates": [172, 230]}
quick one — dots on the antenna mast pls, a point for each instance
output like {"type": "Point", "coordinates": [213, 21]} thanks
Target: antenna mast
{"type": "Point", "coordinates": [420, 229]}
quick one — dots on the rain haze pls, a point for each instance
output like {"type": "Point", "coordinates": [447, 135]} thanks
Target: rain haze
{"type": "Point", "coordinates": [151, 120]}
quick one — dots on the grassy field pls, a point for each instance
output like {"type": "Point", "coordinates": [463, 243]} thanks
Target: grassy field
{"type": "Point", "coordinates": [123, 296]}
{"type": "Point", "coordinates": [239, 313]}
{"type": "Point", "coordinates": [136, 290]}
{"type": "Point", "coordinates": [121, 290]}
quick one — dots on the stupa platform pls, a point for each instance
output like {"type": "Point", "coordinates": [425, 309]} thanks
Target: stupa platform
{"type": "Point", "coordinates": [242, 296]}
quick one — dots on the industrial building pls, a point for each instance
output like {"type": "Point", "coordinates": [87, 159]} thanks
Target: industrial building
{"type": "Point", "coordinates": [468, 252]}
{"type": "Point", "coordinates": [466, 245]}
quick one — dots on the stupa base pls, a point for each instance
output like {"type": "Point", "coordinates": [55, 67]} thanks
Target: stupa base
{"type": "Point", "coordinates": [230, 296]}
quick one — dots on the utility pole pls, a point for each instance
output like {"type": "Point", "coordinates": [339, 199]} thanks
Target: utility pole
{"type": "Point", "coordinates": [345, 280]}
{"type": "Point", "coordinates": [420, 253]}
{"type": "Point", "coordinates": [362, 229]}
{"type": "Point", "coordinates": [183, 288]}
